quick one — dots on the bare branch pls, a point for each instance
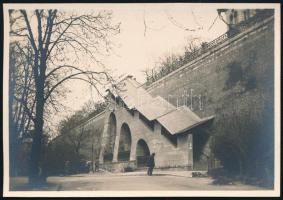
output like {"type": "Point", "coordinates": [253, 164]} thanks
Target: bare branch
{"type": "Point", "coordinates": [174, 22]}
{"type": "Point", "coordinates": [24, 103]}
{"type": "Point", "coordinates": [31, 37]}
{"type": "Point", "coordinates": [213, 22]}
{"type": "Point", "coordinates": [61, 34]}
{"type": "Point", "coordinates": [68, 77]}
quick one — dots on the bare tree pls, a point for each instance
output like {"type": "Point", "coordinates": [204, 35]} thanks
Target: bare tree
{"type": "Point", "coordinates": [78, 138]}
{"type": "Point", "coordinates": [59, 40]}
{"type": "Point", "coordinates": [21, 98]}
{"type": "Point", "coordinates": [171, 62]}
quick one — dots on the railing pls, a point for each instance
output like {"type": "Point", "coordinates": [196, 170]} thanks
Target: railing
{"type": "Point", "coordinates": [233, 31]}
{"type": "Point", "coordinates": [217, 41]}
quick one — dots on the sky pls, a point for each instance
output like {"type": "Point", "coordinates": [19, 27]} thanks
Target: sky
{"type": "Point", "coordinates": [148, 33]}
{"type": "Point", "coordinates": [137, 49]}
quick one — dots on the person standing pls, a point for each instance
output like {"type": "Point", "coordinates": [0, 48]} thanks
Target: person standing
{"type": "Point", "coordinates": [150, 164]}
{"type": "Point", "coordinates": [96, 165]}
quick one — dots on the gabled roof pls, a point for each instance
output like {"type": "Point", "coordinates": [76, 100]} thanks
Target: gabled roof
{"type": "Point", "coordinates": [155, 108]}
{"type": "Point", "coordinates": [131, 93]}
{"type": "Point", "coordinates": [184, 119]}
{"type": "Point", "coordinates": [175, 120]}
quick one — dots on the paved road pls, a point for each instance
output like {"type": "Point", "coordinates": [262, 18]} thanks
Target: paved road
{"type": "Point", "coordinates": [139, 182]}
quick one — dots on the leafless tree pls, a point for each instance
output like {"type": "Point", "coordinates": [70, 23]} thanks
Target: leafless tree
{"type": "Point", "coordinates": [21, 98]}
{"type": "Point", "coordinates": [59, 40]}
{"type": "Point", "coordinates": [169, 63]}
{"type": "Point", "coordinates": [78, 138]}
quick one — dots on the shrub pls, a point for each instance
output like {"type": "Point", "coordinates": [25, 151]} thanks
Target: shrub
{"type": "Point", "coordinates": [243, 136]}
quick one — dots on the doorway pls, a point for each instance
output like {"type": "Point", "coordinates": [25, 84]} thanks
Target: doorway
{"type": "Point", "coordinates": [142, 153]}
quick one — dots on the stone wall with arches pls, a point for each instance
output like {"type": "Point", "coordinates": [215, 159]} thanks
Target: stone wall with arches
{"type": "Point", "coordinates": [168, 155]}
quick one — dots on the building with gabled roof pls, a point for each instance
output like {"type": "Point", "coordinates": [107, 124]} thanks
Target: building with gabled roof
{"type": "Point", "coordinates": [158, 117]}
{"type": "Point", "coordinates": [143, 124]}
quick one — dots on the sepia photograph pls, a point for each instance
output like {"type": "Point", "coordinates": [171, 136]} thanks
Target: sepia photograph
{"type": "Point", "coordinates": [141, 99]}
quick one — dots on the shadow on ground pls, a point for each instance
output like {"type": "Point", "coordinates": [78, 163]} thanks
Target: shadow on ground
{"type": "Point", "coordinates": [27, 187]}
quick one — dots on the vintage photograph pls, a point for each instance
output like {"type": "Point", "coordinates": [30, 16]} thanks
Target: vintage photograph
{"type": "Point", "coordinates": [144, 99]}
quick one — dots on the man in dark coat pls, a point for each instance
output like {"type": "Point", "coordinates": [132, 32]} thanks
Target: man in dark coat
{"type": "Point", "coordinates": [150, 164]}
{"type": "Point", "coordinates": [96, 165]}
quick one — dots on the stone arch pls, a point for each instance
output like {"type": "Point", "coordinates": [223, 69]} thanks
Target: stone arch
{"type": "Point", "coordinates": [110, 138]}
{"type": "Point", "coordinates": [142, 153]}
{"type": "Point", "coordinates": [125, 143]}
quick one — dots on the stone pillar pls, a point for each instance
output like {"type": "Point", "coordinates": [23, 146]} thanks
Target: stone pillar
{"type": "Point", "coordinates": [116, 146]}
{"type": "Point", "coordinates": [134, 142]}
{"type": "Point", "coordinates": [190, 151]}
{"type": "Point", "coordinates": [156, 144]}
{"type": "Point", "coordinates": [101, 153]}
{"type": "Point", "coordinates": [133, 150]}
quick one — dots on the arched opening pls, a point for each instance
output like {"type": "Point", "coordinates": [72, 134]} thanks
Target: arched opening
{"type": "Point", "coordinates": [124, 143]}
{"type": "Point", "coordinates": [142, 153]}
{"type": "Point", "coordinates": [110, 139]}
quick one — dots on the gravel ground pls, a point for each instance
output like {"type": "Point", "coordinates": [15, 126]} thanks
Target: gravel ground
{"type": "Point", "coordinates": [127, 181]}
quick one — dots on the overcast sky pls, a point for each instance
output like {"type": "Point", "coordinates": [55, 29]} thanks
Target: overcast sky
{"type": "Point", "coordinates": [164, 34]}
{"type": "Point", "coordinates": [148, 32]}
{"type": "Point", "coordinates": [137, 49]}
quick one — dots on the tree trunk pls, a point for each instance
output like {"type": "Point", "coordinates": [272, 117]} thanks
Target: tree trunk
{"type": "Point", "coordinates": [13, 140]}
{"type": "Point", "coordinates": [13, 144]}
{"type": "Point", "coordinates": [34, 175]}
